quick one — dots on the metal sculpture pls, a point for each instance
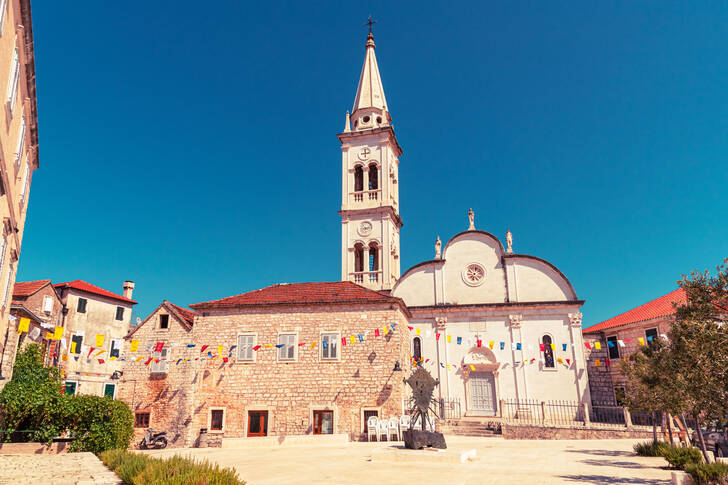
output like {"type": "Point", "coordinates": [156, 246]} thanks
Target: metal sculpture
{"type": "Point", "coordinates": [422, 410]}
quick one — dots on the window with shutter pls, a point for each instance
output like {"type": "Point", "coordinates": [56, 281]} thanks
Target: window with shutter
{"type": "Point", "coordinates": [3, 8]}
{"type": "Point", "coordinates": [287, 351]}
{"type": "Point", "coordinates": [81, 308]}
{"type": "Point", "coordinates": [329, 346]}
{"type": "Point", "coordinates": [120, 313]}
{"type": "Point", "coordinates": [246, 343]}
{"type": "Point", "coordinates": [48, 304]}
{"type": "Point", "coordinates": [8, 279]}
{"type": "Point", "coordinates": [13, 83]}
{"type": "Point", "coordinates": [21, 143]}
{"type": "Point", "coordinates": [115, 350]}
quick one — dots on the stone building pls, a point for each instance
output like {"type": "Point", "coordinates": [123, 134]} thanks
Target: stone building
{"type": "Point", "coordinates": [621, 335]}
{"type": "Point", "coordinates": [296, 359]}
{"type": "Point", "coordinates": [160, 397]}
{"type": "Point", "coordinates": [39, 302]}
{"type": "Point", "coordinates": [96, 322]}
{"type": "Point", "coordinates": [18, 156]}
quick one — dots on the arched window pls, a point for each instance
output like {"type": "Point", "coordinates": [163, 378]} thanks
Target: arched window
{"type": "Point", "coordinates": [358, 178]}
{"type": "Point", "coordinates": [417, 349]}
{"type": "Point", "coordinates": [358, 257]}
{"type": "Point", "coordinates": [548, 353]}
{"type": "Point", "coordinates": [373, 257]}
{"type": "Point", "coordinates": [373, 177]}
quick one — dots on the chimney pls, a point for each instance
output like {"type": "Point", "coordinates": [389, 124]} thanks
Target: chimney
{"type": "Point", "coordinates": [128, 289]}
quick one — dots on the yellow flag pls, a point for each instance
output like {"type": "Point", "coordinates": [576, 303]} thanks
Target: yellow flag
{"type": "Point", "coordinates": [139, 358]}
{"type": "Point", "coordinates": [134, 345]}
{"type": "Point", "coordinates": [553, 346]}
{"type": "Point", "coordinates": [219, 350]}
{"type": "Point", "coordinates": [448, 366]}
{"type": "Point", "coordinates": [100, 352]}
{"type": "Point", "coordinates": [99, 341]}
{"type": "Point", "coordinates": [112, 358]}
{"type": "Point", "coordinates": [472, 367]}
{"type": "Point", "coordinates": [490, 344]}
{"type": "Point", "coordinates": [598, 345]}
{"type": "Point", "coordinates": [449, 338]}
{"type": "Point", "coordinates": [267, 346]}
{"type": "Point", "coordinates": [596, 362]}
{"type": "Point", "coordinates": [642, 341]}
{"type": "Point", "coordinates": [24, 325]}
{"type": "Point", "coordinates": [353, 339]}
{"type": "Point", "coordinates": [559, 360]}
{"type": "Point", "coordinates": [58, 333]}
{"type": "Point", "coordinates": [418, 331]}
{"type": "Point", "coordinates": [73, 348]}
{"type": "Point", "coordinates": [385, 330]}
{"type": "Point", "coordinates": [313, 344]}
{"type": "Point", "coordinates": [64, 357]}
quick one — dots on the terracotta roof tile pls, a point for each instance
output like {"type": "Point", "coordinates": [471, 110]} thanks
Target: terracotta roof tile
{"type": "Point", "coordinates": [27, 288]}
{"type": "Point", "coordinates": [89, 288]}
{"type": "Point", "coordinates": [187, 316]}
{"type": "Point", "coordinates": [659, 307]}
{"type": "Point", "coordinates": [302, 294]}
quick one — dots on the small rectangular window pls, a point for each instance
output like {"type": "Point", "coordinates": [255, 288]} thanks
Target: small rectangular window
{"type": "Point", "coordinates": [141, 419]}
{"type": "Point", "coordinates": [245, 347]}
{"type": "Point", "coordinates": [81, 308]}
{"type": "Point", "coordinates": [109, 390]}
{"type": "Point", "coordinates": [163, 321]}
{"type": "Point", "coordinates": [3, 8]}
{"type": "Point", "coordinates": [330, 346]}
{"type": "Point", "coordinates": [76, 343]}
{"type": "Point", "coordinates": [323, 422]}
{"type": "Point", "coordinates": [69, 388]}
{"type": "Point", "coordinates": [216, 419]}
{"type": "Point", "coordinates": [287, 351]}
{"type": "Point", "coordinates": [21, 143]}
{"type": "Point", "coordinates": [13, 83]}
{"type": "Point", "coordinates": [613, 347]}
{"type": "Point", "coordinates": [120, 313]}
{"type": "Point", "coordinates": [650, 334]}
{"type": "Point", "coordinates": [48, 304]}
{"type": "Point", "coordinates": [115, 350]}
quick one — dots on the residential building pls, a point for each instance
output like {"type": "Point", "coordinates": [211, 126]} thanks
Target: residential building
{"type": "Point", "coordinates": [96, 322]}
{"type": "Point", "coordinates": [296, 359]}
{"type": "Point", "coordinates": [18, 155]}
{"type": "Point", "coordinates": [39, 302]}
{"type": "Point", "coordinates": [619, 337]}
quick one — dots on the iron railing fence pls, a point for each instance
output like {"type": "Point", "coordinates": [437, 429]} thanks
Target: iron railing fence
{"type": "Point", "coordinates": [450, 409]}
{"type": "Point", "coordinates": [570, 413]}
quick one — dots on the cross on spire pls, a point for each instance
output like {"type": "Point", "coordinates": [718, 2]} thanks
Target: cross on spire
{"type": "Point", "coordinates": [370, 23]}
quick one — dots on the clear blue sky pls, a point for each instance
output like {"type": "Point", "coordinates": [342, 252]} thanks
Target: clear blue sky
{"type": "Point", "coordinates": [191, 147]}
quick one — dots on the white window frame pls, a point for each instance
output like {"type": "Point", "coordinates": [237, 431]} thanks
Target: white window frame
{"type": "Point", "coordinates": [209, 419]}
{"type": "Point", "coordinates": [281, 350]}
{"type": "Point", "coordinates": [77, 333]}
{"type": "Point", "coordinates": [253, 353]}
{"type": "Point", "coordinates": [8, 277]}
{"type": "Point", "coordinates": [337, 342]}
{"type": "Point", "coordinates": [161, 367]}
{"type": "Point", "coordinates": [24, 186]}
{"type": "Point", "coordinates": [3, 9]}
{"type": "Point", "coordinates": [13, 82]}
{"type": "Point", "coordinates": [3, 250]}
{"type": "Point", "coordinates": [46, 300]}
{"type": "Point", "coordinates": [21, 143]}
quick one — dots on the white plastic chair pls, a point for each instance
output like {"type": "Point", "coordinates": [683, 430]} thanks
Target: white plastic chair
{"type": "Point", "coordinates": [394, 429]}
{"type": "Point", "coordinates": [404, 422]}
{"type": "Point", "coordinates": [383, 430]}
{"type": "Point", "coordinates": [372, 423]}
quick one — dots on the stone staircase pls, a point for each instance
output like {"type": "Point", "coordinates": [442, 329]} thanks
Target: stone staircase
{"type": "Point", "coordinates": [471, 426]}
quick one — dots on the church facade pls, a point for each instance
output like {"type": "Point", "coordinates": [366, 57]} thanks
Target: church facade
{"type": "Point", "coordinates": [320, 358]}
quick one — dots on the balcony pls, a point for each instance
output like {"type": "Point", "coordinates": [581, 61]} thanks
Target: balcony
{"type": "Point", "coordinates": [365, 196]}
{"type": "Point", "coordinates": [366, 278]}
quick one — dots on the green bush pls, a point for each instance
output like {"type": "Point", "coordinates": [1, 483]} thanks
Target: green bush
{"type": "Point", "coordinates": [650, 448]}
{"type": "Point", "coordinates": [98, 423]}
{"type": "Point", "coordinates": [708, 474]}
{"type": "Point", "coordinates": [33, 408]}
{"type": "Point", "coordinates": [139, 469]}
{"type": "Point", "coordinates": [680, 456]}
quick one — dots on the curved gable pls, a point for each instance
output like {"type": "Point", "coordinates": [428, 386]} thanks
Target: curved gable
{"type": "Point", "coordinates": [417, 285]}
{"type": "Point", "coordinates": [474, 248]}
{"type": "Point", "coordinates": [535, 279]}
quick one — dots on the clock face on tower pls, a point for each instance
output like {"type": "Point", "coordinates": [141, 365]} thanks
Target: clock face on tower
{"type": "Point", "coordinates": [365, 228]}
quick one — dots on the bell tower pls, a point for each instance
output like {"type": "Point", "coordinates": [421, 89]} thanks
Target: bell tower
{"type": "Point", "coordinates": [370, 221]}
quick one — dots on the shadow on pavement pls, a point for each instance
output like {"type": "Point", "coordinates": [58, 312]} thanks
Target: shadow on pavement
{"type": "Point", "coordinates": [604, 452]}
{"type": "Point", "coordinates": [604, 479]}
{"type": "Point", "coordinates": [618, 464]}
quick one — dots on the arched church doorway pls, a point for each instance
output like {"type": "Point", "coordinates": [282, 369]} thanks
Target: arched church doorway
{"type": "Point", "coordinates": [481, 383]}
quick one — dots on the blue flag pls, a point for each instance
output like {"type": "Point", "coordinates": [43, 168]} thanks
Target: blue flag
{"type": "Point", "coordinates": [502, 345]}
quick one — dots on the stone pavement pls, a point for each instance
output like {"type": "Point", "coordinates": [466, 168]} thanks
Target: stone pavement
{"type": "Point", "coordinates": [501, 461]}
{"type": "Point", "coordinates": [63, 469]}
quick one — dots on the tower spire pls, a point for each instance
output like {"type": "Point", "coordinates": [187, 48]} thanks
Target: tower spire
{"type": "Point", "coordinates": [369, 93]}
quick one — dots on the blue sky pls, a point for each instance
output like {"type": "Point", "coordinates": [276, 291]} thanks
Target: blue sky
{"type": "Point", "coordinates": [193, 150]}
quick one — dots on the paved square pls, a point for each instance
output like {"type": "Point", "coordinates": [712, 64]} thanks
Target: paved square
{"type": "Point", "coordinates": [501, 461]}
{"type": "Point", "coordinates": [63, 469]}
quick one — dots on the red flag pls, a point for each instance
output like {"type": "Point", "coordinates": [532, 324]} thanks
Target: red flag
{"type": "Point", "coordinates": [257, 347]}
{"type": "Point", "coordinates": [587, 345]}
{"type": "Point", "coordinates": [225, 359]}
{"type": "Point", "coordinates": [156, 361]}
{"type": "Point", "coordinates": [101, 361]}
{"type": "Point", "coordinates": [89, 352]}
{"type": "Point", "coordinates": [542, 347]}
{"type": "Point", "coordinates": [302, 344]}
{"type": "Point", "coordinates": [159, 347]}
{"type": "Point", "coordinates": [427, 360]}
{"type": "Point", "coordinates": [343, 341]}
{"type": "Point", "coordinates": [148, 361]}
{"type": "Point", "coordinates": [480, 343]}
{"type": "Point", "coordinates": [628, 340]}
{"type": "Point", "coordinates": [607, 362]}
{"type": "Point", "coordinates": [437, 336]}
{"type": "Point", "coordinates": [411, 328]}
{"type": "Point", "coordinates": [203, 348]}
{"type": "Point", "coordinates": [568, 362]}
{"type": "Point", "coordinates": [376, 332]}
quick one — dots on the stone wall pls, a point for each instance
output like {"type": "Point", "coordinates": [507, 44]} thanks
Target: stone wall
{"type": "Point", "coordinates": [512, 432]}
{"type": "Point", "coordinates": [601, 387]}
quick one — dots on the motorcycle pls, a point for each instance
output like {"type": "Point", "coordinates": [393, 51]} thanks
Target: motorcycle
{"type": "Point", "coordinates": [153, 440]}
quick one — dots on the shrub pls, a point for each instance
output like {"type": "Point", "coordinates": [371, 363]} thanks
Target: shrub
{"type": "Point", "coordinates": [708, 474]}
{"type": "Point", "coordinates": [98, 423]}
{"type": "Point", "coordinates": [679, 456]}
{"type": "Point", "coordinates": [139, 469]}
{"type": "Point", "coordinates": [650, 448]}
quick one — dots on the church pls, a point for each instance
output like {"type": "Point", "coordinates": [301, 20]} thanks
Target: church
{"type": "Point", "coordinates": [300, 359]}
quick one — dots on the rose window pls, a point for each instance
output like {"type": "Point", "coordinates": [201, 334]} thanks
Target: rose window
{"type": "Point", "coordinates": [474, 274]}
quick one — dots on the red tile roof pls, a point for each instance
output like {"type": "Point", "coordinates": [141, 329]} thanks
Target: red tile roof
{"type": "Point", "coordinates": [187, 316]}
{"type": "Point", "coordinates": [660, 307]}
{"type": "Point", "coordinates": [302, 294]}
{"type": "Point", "coordinates": [89, 288]}
{"type": "Point", "coordinates": [27, 288]}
